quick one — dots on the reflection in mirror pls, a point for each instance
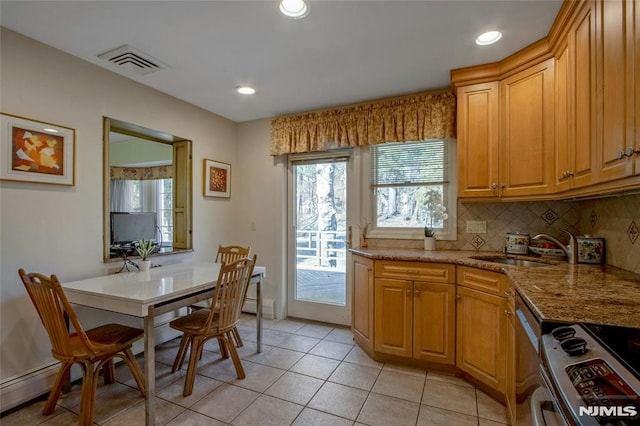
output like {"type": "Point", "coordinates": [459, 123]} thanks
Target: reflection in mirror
{"type": "Point", "coordinates": [147, 190]}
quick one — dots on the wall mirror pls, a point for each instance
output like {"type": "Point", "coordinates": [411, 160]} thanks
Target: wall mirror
{"type": "Point", "coordinates": [147, 189]}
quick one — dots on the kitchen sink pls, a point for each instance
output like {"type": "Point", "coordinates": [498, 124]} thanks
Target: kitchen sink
{"type": "Point", "coordinates": [512, 261]}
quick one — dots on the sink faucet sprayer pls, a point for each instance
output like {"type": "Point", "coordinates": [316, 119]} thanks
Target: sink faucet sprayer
{"type": "Point", "coordinates": [570, 250]}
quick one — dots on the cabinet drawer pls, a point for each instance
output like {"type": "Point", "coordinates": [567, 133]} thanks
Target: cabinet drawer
{"type": "Point", "coordinates": [419, 271]}
{"type": "Point", "coordinates": [487, 281]}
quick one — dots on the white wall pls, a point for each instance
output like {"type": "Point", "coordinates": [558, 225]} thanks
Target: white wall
{"type": "Point", "coordinates": [261, 179]}
{"type": "Point", "coordinates": [55, 229]}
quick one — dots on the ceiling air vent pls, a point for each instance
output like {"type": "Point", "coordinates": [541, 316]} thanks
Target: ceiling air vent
{"type": "Point", "coordinates": [132, 59]}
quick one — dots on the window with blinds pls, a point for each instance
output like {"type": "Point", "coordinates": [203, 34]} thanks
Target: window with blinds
{"type": "Point", "coordinates": [410, 184]}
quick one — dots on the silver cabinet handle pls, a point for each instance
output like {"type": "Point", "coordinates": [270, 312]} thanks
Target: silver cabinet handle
{"type": "Point", "coordinates": [409, 291]}
{"type": "Point", "coordinates": [620, 155]}
{"type": "Point", "coordinates": [630, 151]}
{"type": "Point", "coordinates": [417, 292]}
{"type": "Point", "coordinates": [494, 185]}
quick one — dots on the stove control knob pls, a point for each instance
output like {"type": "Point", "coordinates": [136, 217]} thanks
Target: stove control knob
{"type": "Point", "coordinates": [563, 333]}
{"type": "Point", "coordinates": [574, 346]}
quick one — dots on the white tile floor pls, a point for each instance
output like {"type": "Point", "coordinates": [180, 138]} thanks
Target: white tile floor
{"type": "Point", "coordinates": [307, 374]}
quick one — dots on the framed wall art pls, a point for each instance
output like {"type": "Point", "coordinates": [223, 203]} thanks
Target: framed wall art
{"type": "Point", "coordinates": [217, 179]}
{"type": "Point", "coordinates": [36, 151]}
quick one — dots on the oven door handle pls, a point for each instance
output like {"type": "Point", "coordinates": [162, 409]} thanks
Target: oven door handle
{"type": "Point", "coordinates": [541, 402]}
{"type": "Point", "coordinates": [539, 398]}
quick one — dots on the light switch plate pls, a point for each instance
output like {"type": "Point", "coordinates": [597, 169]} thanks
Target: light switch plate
{"type": "Point", "coordinates": [476, 227]}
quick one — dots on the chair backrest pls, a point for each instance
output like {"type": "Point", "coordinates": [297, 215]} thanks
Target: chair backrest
{"type": "Point", "coordinates": [230, 254]}
{"type": "Point", "coordinates": [51, 303]}
{"type": "Point", "coordinates": [230, 291]}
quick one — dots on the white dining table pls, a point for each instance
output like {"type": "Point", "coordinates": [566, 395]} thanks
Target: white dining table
{"type": "Point", "coordinates": [146, 294]}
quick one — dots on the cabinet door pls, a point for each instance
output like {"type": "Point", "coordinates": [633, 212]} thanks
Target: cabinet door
{"type": "Point", "coordinates": [362, 313]}
{"type": "Point", "coordinates": [434, 322]}
{"type": "Point", "coordinates": [636, 77]}
{"type": "Point", "coordinates": [478, 140]}
{"type": "Point", "coordinates": [393, 317]}
{"type": "Point", "coordinates": [527, 154]}
{"type": "Point", "coordinates": [563, 119]}
{"type": "Point", "coordinates": [616, 87]}
{"type": "Point", "coordinates": [575, 109]}
{"type": "Point", "coordinates": [583, 81]}
{"type": "Point", "coordinates": [480, 337]}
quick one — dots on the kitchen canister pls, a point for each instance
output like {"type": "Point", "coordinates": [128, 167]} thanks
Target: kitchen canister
{"type": "Point", "coordinates": [517, 242]}
{"type": "Point", "coordinates": [590, 249]}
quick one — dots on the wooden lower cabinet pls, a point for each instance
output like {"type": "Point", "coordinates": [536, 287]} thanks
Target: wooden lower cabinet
{"type": "Point", "coordinates": [434, 322]}
{"type": "Point", "coordinates": [415, 319]}
{"type": "Point", "coordinates": [480, 337]}
{"type": "Point", "coordinates": [362, 308]}
{"type": "Point", "coordinates": [393, 317]}
{"type": "Point", "coordinates": [430, 313]}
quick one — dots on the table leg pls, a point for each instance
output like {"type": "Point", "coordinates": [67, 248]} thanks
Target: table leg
{"type": "Point", "coordinates": [149, 369]}
{"type": "Point", "coordinates": [259, 313]}
{"type": "Point", "coordinates": [66, 382]}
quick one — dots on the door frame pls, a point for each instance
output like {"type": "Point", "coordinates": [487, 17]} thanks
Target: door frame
{"type": "Point", "coordinates": [313, 310]}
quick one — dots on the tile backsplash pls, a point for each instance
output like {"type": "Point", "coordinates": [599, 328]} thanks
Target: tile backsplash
{"type": "Point", "coordinates": [616, 219]}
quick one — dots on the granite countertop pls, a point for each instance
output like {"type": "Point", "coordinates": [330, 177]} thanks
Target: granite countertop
{"type": "Point", "coordinates": [600, 294]}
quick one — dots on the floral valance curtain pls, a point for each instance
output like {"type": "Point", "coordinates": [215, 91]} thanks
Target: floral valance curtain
{"type": "Point", "coordinates": [142, 173]}
{"type": "Point", "coordinates": [416, 117]}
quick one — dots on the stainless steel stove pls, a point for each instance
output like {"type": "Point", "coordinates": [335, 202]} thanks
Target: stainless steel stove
{"type": "Point", "coordinates": [593, 372]}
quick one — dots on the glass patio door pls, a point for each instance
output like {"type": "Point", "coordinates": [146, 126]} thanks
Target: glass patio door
{"type": "Point", "coordinates": [318, 238]}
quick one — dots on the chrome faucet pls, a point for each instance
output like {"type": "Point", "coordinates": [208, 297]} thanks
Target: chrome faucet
{"type": "Point", "coordinates": [570, 250]}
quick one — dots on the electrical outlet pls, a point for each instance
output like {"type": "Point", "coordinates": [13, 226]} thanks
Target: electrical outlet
{"type": "Point", "coordinates": [476, 227]}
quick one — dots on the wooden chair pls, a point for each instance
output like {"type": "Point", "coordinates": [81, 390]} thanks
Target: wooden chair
{"type": "Point", "coordinates": [204, 324]}
{"type": "Point", "coordinates": [93, 349]}
{"type": "Point", "coordinates": [231, 254]}
{"type": "Point", "coordinates": [228, 254]}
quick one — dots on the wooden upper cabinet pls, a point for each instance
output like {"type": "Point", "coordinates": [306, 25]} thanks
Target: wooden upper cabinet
{"type": "Point", "coordinates": [527, 157]}
{"type": "Point", "coordinates": [575, 109]}
{"type": "Point", "coordinates": [583, 94]}
{"type": "Point", "coordinates": [615, 88]}
{"type": "Point", "coordinates": [563, 136]}
{"type": "Point", "coordinates": [636, 77]}
{"type": "Point", "coordinates": [478, 140]}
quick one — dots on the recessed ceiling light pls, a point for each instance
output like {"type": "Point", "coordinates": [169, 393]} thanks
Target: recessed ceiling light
{"type": "Point", "coordinates": [294, 8]}
{"type": "Point", "coordinates": [489, 37]}
{"type": "Point", "coordinates": [50, 130]}
{"type": "Point", "coordinates": [246, 90]}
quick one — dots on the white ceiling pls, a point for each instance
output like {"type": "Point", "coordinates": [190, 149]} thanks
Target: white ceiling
{"type": "Point", "coordinates": [342, 52]}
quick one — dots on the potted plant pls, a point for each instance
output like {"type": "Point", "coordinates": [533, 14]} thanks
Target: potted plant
{"type": "Point", "coordinates": [364, 230]}
{"type": "Point", "coordinates": [144, 249]}
{"type": "Point", "coordinates": [429, 238]}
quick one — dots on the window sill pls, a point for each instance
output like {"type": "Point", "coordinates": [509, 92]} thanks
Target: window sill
{"type": "Point", "coordinates": [405, 234]}
{"type": "Point", "coordinates": [155, 255]}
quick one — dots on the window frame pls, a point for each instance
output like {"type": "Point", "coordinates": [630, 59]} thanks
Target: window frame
{"type": "Point", "coordinates": [369, 201]}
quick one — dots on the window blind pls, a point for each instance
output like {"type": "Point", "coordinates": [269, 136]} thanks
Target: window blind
{"type": "Point", "coordinates": [410, 163]}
